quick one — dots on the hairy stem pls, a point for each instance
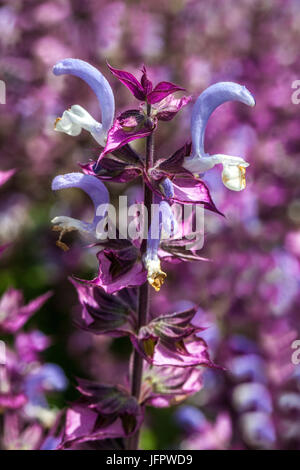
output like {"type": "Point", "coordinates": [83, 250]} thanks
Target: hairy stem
{"type": "Point", "coordinates": [144, 293]}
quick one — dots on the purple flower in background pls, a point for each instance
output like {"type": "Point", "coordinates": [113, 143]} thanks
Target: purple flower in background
{"type": "Point", "coordinates": [38, 382]}
{"type": "Point", "coordinates": [18, 437]}
{"type": "Point", "coordinates": [190, 418]}
{"type": "Point", "coordinates": [208, 435]}
{"type": "Point", "coordinates": [12, 401]}
{"type": "Point", "coordinates": [13, 313]}
{"type": "Point", "coordinates": [249, 396]}
{"type": "Point", "coordinates": [234, 168]}
{"type": "Point", "coordinates": [12, 394]}
{"type": "Point", "coordinates": [30, 345]}
{"type": "Point", "coordinates": [258, 429]}
{"type": "Point", "coordinates": [6, 175]}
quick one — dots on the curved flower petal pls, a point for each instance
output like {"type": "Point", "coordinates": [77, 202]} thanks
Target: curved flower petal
{"type": "Point", "coordinates": [99, 85]}
{"type": "Point", "coordinates": [207, 102]}
{"type": "Point", "coordinates": [95, 189]}
{"type": "Point", "coordinates": [198, 162]}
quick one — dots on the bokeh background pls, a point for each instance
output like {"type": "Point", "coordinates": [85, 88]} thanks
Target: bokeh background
{"type": "Point", "coordinates": [249, 292]}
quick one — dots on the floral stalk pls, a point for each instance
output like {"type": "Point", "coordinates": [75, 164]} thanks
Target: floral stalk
{"type": "Point", "coordinates": [144, 292]}
{"type": "Point", "coordinates": [168, 351]}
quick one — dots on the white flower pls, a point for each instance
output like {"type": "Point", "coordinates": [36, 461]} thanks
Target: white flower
{"type": "Point", "coordinates": [155, 276]}
{"type": "Point", "coordinates": [234, 176]}
{"type": "Point", "coordinates": [77, 118]}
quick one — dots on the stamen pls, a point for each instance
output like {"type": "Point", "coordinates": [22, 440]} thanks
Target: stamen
{"type": "Point", "coordinates": [57, 228]}
{"type": "Point", "coordinates": [157, 279]}
{"type": "Point", "coordinates": [56, 121]}
{"type": "Point", "coordinates": [243, 175]}
{"type": "Point", "coordinates": [63, 246]}
{"type": "Point", "coordinates": [225, 179]}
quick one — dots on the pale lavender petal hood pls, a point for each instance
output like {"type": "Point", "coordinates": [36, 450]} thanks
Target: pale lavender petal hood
{"type": "Point", "coordinates": [207, 102]}
{"type": "Point", "coordinates": [92, 186]}
{"type": "Point", "coordinates": [96, 81]}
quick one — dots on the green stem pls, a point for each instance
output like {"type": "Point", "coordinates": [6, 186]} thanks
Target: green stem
{"type": "Point", "coordinates": [144, 294]}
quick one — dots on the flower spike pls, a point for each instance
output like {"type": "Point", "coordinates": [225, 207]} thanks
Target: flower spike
{"type": "Point", "coordinates": [95, 189]}
{"type": "Point", "coordinates": [77, 118]}
{"type": "Point", "coordinates": [233, 175]}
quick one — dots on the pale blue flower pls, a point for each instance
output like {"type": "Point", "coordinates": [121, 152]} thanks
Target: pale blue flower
{"type": "Point", "coordinates": [99, 195]}
{"type": "Point", "coordinates": [77, 118]}
{"type": "Point", "coordinates": [234, 168]}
